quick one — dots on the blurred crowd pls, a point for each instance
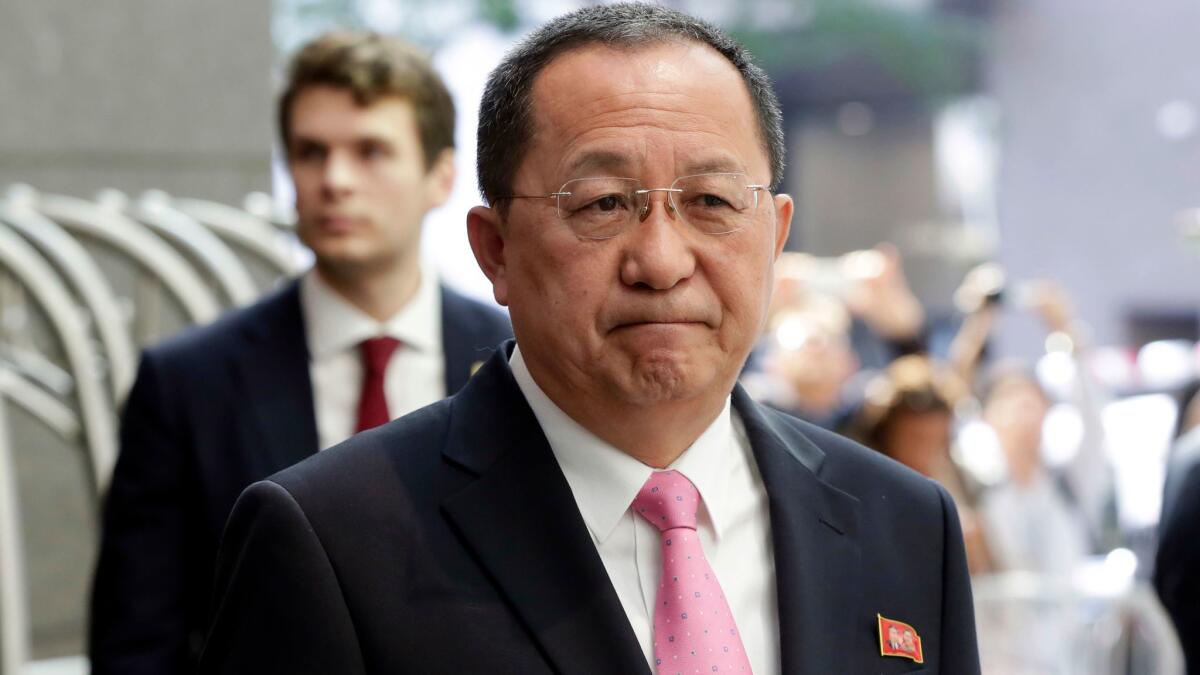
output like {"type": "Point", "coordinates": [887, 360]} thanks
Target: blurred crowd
{"type": "Point", "coordinates": [846, 349]}
{"type": "Point", "coordinates": [849, 347]}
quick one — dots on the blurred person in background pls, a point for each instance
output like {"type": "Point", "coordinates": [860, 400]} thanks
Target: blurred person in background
{"type": "Point", "coordinates": [1035, 522]}
{"type": "Point", "coordinates": [1177, 562]}
{"type": "Point", "coordinates": [365, 336]}
{"type": "Point", "coordinates": [805, 360]}
{"type": "Point", "coordinates": [908, 414]}
{"type": "Point", "coordinates": [829, 318]}
{"type": "Point", "coordinates": [1185, 449]}
{"type": "Point", "coordinates": [1040, 518]}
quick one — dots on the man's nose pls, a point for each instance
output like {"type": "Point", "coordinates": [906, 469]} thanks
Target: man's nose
{"type": "Point", "coordinates": [338, 174]}
{"type": "Point", "coordinates": [659, 250]}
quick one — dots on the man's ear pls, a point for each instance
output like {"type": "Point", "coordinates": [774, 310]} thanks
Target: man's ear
{"type": "Point", "coordinates": [439, 180]}
{"type": "Point", "coordinates": [784, 208]}
{"type": "Point", "coordinates": [485, 230]}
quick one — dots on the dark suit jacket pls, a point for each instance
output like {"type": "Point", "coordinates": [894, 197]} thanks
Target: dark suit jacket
{"type": "Point", "coordinates": [1177, 566]}
{"type": "Point", "coordinates": [448, 541]}
{"type": "Point", "coordinates": [212, 411]}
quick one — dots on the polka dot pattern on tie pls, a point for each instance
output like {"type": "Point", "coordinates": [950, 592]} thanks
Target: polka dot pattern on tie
{"type": "Point", "coordinates": [694, 631]}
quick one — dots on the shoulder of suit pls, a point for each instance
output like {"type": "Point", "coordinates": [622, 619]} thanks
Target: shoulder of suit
{"type": "Point", "coordinates": [230, 331]}
{"type": "Point", "coordinates": [405, 447]}
{"type": "Point", "coordinates": [852, 467]}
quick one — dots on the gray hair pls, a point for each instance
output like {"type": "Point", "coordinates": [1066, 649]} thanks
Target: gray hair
{"type": "Point", "coordinates": [505, 119]}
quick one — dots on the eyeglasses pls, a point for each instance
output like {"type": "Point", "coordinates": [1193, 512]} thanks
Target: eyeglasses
{"type": "Point", "coordinates": [602, 208]}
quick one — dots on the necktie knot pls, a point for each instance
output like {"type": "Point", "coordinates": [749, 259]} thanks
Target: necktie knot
{"type": "Point", "coordinates": [376, 352]}
{"type": "Point", "coordinates": [668, 501]}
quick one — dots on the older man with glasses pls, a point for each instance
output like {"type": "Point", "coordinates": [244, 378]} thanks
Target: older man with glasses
{"type": "Point", "coordinates": [602, 497]}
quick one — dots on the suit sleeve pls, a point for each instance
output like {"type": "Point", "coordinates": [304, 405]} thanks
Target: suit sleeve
{"type": "Point", "coordinates": [959, 648]}
{"type": "Point", "coordinates": [278, 604]}
{"type": "Point", "coordinates": [139, 611]}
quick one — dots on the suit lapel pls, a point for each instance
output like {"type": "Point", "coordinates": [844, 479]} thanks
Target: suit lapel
{"type": "Point", "coordinates": [520, 519]}
{"type": "Point", "coordinates": [814, 528]}
{"type": "Point", "coordinates": [274, 373]}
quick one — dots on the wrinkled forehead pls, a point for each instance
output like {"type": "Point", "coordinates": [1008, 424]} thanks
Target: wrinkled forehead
{"type": "Point", "coordinates": [609, 94]}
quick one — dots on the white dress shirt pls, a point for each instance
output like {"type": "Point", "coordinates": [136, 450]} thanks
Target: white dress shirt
{"type": "Point", "coordinates": [733, 521]}
{"type": "Point", "coordinates": [334, 328]}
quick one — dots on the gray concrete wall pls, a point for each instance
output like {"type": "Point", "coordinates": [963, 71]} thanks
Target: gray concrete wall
{"type": "Point", "coordinates": [1089, 185]}
{"type": "Point", "coordinates": [136, 94]}
{"type": "Point", "coordinates": [853, 192]}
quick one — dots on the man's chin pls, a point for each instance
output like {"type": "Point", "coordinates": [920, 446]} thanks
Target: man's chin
{"type": "Point", "coordinates": [346, 261]}
{"type": "Point", "coordinates": [664, 378]}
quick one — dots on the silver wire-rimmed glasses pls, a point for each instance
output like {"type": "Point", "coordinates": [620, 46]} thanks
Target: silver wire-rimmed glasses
{"type": "Point", "coordinates": [602, 208]}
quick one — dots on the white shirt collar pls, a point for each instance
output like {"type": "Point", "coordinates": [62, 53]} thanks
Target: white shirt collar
{"type": "Point", "coordinates": [333, 325]}
{"type": "Point", "coordinates": [605, 480]}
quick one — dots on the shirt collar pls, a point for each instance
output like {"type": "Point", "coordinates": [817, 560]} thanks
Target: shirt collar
{"type": "Point", "coordinates": [332, 324]}
{"type": "Point", "coordinates": [604, 480]}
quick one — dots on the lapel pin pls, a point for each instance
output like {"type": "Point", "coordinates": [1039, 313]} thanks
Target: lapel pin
{"type": "Point", "coordinates": [476, 366]}
{"type": "Point", "coordinates": [897, 638]}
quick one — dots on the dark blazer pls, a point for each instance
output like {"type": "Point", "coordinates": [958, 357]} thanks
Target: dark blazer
{"type": "Point", "coordinates": [1177, 565]}
{"type": "Point", "coordinates": [212, 411]}
{"type": "Point", "coordinates": [448, 541]}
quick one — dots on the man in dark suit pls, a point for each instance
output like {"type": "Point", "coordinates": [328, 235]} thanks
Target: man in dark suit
{"type": "Point", "coordinates": [601, 497]}
{"type": "Point", "coordinates": [1177, 565]}
{"type": "Point", "coordinates": [365, 336]}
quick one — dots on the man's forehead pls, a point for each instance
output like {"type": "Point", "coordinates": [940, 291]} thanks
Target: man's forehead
{"type": "Point", "coordinates": [624, 69]}
{"type": "Point", "coordinates": [605, 93]}
{"type": "Point", "coordinates": [333, 113]}
{"type": "Point", "coordinates": [608, 161]}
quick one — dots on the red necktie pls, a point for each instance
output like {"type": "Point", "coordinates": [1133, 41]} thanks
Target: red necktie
{"type": "Point", "coordinates": [372, 403]}
{"type": "Point", "coordinates": [694, 631]}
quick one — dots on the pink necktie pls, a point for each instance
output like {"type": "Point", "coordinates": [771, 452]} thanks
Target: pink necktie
{"type": "Point", "coordinates": [694, 630]}
{"type": "Point", "coordinates": [372, 403]}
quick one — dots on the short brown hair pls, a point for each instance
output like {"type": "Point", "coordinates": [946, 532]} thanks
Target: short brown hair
{"type": "Point", "coordinates": [373, 66]}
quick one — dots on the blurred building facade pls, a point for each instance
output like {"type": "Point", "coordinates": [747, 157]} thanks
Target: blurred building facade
{"type": "Point", "coordinates": [1101, 149]}
{"type": "Point", "coordinates": [135, 95]}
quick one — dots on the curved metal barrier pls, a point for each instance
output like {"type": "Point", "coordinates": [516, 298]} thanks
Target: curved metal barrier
{"type": "Point", "coordinates": [15, 630]}
{"type": "Point", "coordinates": [164, 264]}
{"type": "Point", "coordinates": [83, 286]}
{"type": "Point", "coordinates": [73, 262]}
{"type": "Point", "coordinates": [41, 281]}
{"type": "Point", "coordinates": [257, 237]}
{"type": "Point", "coordinates": [1100, 621]}
{"type": "Point", "coordinates": [212, 257]}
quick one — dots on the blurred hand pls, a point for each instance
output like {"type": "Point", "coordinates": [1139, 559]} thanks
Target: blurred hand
{"type": "Point", "coordinates": [880, 295]}
{"type": "Point", "coordinates": [982, 282]}
{"type": "Point", "coordinates": [1052, 305]}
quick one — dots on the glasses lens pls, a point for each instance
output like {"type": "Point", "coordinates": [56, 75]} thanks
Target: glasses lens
{"type": "Point", "coordinates": [715, 203]}
{"type": "Point", "coordinates": [598, 208]}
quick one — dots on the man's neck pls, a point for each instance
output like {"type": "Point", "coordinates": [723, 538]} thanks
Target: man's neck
{"type": "Point", "coordinates": [655, 434]}
{"type": "Point", "coordinates": [380, 294]}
